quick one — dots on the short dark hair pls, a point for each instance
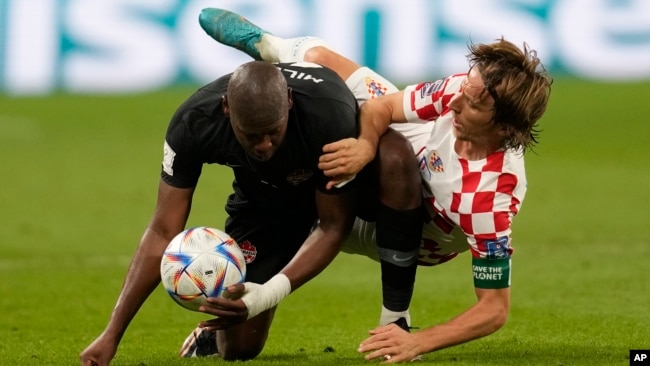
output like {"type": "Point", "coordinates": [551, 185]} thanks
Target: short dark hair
{"type": "Point", "coordinates": [257, 91]}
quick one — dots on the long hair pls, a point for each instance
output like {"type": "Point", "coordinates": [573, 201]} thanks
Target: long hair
{"type": "Point", "coordinates": [520, 86]}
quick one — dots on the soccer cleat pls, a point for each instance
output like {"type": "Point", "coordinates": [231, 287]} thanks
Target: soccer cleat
{"type": "Point", "coordinates": [401, 322]}
{"type": "Point", "coordinates": [200, 343]}
{"type": "Point", "coordinates": [232, 30]}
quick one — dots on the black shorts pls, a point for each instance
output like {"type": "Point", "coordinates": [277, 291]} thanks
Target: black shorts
{"type": "Point", "coordinates": [269, 238]}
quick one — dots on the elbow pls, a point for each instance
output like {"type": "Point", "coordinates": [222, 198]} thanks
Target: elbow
{"type": "Point", "coordinates": [498, 320]}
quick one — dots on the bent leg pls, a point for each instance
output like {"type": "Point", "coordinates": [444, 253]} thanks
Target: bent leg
{"type": "Point", "coordinates": [400, 183]}
{"type": "Point", "coordinates": [324, 56]}
{"type": "Point", "coordinates": [399, 223]}
{"type": "Point", "coordinates": [245, 341]}
{"type": "Point", "coordinates": [241, 342]}
{"type": "Point", "coordinates": [234, 30]}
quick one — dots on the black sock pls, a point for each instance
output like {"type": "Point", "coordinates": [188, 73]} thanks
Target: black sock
{"type": "Point", "coordinates": [399, 234]}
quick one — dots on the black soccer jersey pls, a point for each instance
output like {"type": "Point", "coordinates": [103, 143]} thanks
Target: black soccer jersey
{"type": "Point", "coordinates": [324, 110]}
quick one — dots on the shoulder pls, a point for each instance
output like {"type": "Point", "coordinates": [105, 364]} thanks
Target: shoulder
{"type": "Point", "coordinates": [199, 120]}
{"type": "Point", "coordinates": [204, 103]}
{"type": "Point", "coordinates": [305, 71]}
{"type": "Point", "coordinates": [513, 163]}
{"type": "Point", "coordinates": [312, 81]}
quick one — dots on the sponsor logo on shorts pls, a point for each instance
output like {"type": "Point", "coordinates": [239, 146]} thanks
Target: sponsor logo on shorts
{"type": "Point", "coordinates": [402, 259]}
{"type": "Point", "coordinates": [497, 249]}
{"type": "Point", "coordinates": [249, 250]}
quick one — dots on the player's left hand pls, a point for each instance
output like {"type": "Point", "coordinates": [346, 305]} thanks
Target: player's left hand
{"type": "Point", "coordinates": [391, 344]}
{"type": "Point", "coordinates": [229, 309]}
{"type": "Point", "coordinates": [343, 159]}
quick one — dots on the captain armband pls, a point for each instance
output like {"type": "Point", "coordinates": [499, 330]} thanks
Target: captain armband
{"type": "Point", "coordinates": [491, 273]}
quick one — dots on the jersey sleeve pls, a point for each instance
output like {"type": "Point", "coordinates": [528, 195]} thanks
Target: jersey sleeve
{"type": "Point", "coordinates": [427, 101]}
{"type": "Point", "coordinates": [182, 165]}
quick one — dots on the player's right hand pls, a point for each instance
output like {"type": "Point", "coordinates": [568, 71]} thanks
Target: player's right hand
{"type": "Point", "coordinates": [99, 353]}
{"type": "Point", "coordinates": [228, 310]}
{"type": "Point", "coordinates": [345, 158]}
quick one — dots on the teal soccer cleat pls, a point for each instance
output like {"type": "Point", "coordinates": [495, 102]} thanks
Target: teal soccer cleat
{"type": "Point", "coordinates": [232, 30]}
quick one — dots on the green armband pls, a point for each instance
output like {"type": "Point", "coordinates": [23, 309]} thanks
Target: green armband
{"type": "Point", "coordinates": [491, 273]}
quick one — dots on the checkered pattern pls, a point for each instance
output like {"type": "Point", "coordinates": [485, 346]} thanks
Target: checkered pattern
{"type": "Point", "coordinates": [471, 203]}
{"type": "Point", "coordinates": [375, 88]}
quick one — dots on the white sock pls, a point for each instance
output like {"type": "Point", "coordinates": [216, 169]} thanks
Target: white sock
{"type": "Point", "coordinates": [389, 316]}
{"type": "Point", "coordinates": [276, 49]}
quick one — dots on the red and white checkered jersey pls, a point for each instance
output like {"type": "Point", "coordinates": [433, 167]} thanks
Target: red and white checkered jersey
{"type": "Point", "coordinates": [471, 203]}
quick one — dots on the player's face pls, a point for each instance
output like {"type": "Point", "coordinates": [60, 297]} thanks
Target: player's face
{"type": "Point", "coordinates": [473, 109]}
{"type": "Point", "coordinates": [260, 139]}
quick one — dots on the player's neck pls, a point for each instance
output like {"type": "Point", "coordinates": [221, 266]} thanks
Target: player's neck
{"type": "Point", "coordinates": [475, 150]}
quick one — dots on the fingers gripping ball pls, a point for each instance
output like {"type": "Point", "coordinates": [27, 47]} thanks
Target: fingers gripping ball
{"type": "Point", "coordinates": [199, 263]}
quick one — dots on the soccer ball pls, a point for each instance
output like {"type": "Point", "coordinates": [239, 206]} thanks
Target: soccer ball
{"type": "Point", "coordinates": [199, 263]}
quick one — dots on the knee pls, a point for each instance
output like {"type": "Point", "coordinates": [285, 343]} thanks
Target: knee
{"type": "Point", "coordinates": [234, 352]}
{"type": "Point", "coordinates": [397, 164]}
{"type": "Point", "coordinates": [245, 341]}
{"type": "Point", "coordinates": [318, 55]}
{"type": "Point", "coordinates": [396, 153]}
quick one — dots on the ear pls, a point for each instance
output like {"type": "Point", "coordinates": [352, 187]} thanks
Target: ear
{"type": "Point", "coordinates": [503, 131]}
{"type": "Point", "coordinates": [224, 106]}
{"type": "Point", "coordinates": [290, 98]}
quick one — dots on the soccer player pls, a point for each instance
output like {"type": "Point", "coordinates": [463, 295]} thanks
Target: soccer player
{"type": "Point", "coordinates": [474, 128]}
{"type": "Point", "coordinates": [269, 123]}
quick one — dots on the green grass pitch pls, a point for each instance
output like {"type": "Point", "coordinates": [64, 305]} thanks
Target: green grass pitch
{"type": "Point", "coordinates": [79, 177]}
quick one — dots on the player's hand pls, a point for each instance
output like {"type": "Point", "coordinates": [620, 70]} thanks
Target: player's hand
{"type": "Point", "coordinates": [100, 352]}
{"type": "Point", "coordinates": [391, 344]}
{"type": "Point", "coordinates": [345, 158]}
{"type": "Point", "coordinates": [229, 309]}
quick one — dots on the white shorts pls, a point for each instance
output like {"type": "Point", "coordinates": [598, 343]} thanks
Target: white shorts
{"type": "Point", "coordinates": [362, 240]}
{"type": "Point", "coordinates": [436, 246]}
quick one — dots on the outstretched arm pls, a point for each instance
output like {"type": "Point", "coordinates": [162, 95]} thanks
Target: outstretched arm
{"type": "Point", "coordinates": [143, 276]}
{"type": "Point", "coordinates": [487, 316]}
{"type": "Point", "coordinates": [336, 213]}
{"type": "Point", "coordinates": [345, 158]}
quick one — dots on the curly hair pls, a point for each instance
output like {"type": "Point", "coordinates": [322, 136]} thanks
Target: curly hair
{"type": "Point", "coordinates": [519, 85]}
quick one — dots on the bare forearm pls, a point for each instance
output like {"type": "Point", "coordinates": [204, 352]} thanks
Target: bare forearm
{"type": "Point", "coordinates": [377, 114]}
{"type": "Point", "coordinates": [374, 120]}
{"type": "Point", "coordinates": [318, 251]}
{"type": "Point", "coordinates": [142, 278]}
{"type": "Point", "coordinates": [487, 316]}
{"type": "Point", "coordinates": [314, 255]}
{"type": "Point", "coordinates": [466, 327]}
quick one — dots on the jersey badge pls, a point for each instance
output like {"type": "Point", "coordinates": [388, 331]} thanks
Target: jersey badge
{"type": "Point", "coordinates": [497, 249]}
{"type": "Point", "coordinates": [375, 88]}
{"type": "Point", "coordinates": [168, 159]}
{"type": "Point", "coordinates": [249, 250]}
{"type": "Point", "coordinates": [435, 163]}
{"type": "Point", "coordinates": [431, 87]}
{"type": "Point", "coordinates": [298, 176]}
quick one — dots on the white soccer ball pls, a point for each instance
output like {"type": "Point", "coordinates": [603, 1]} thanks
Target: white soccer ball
{"type": "Point", "coordinates": [199, 263]}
